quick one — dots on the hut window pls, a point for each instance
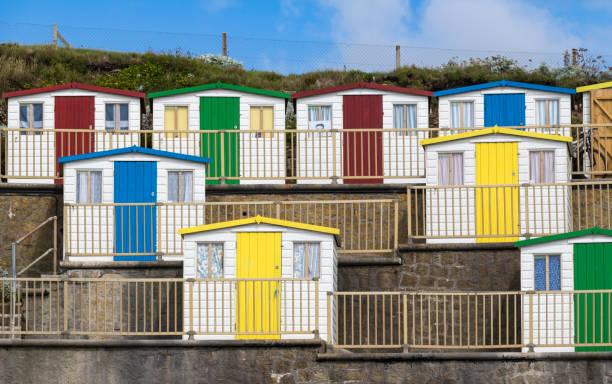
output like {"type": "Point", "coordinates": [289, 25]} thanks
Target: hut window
{"type": "Point", "coordinates": [262, 119]}
{"type": "Point", "coordinates": [209, 260]}
{"type": "Point", "coordinates": [450, 169]}
{"type": "Point", "coordinates": [31, 117]}
{"type": "Point", "coordinates": [547, 112]}
{"type": "Point", "coordinates": [116, 117]}
{"type": "Point", "coordinates": [175, 120]}
{"type": "Point", "coordinates": [319, 117]}
{"type": "Point", "coordinates": [404, 117]}
{"type": "Point", "coordinates": [89, 187]}
{"type": "Point", "coordinates": [541, 167]}
{"type": "Point", "coordinates": [306, 258]}
{"type": "Point", "coordinates": [180, 186]}
{"type": "Point", "coordinates": [547, 272]}
{"type": "Point", "coordinates": [462, 114]}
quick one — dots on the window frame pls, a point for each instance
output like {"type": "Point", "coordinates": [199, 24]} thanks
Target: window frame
{"type": "Point", "coordinates": [307, 243]}
{"type": "Point", "coordinates": [180, 180]}
{"type": "Point", "coordinates": [540, 152]}
{"type": "Point", "coordinates": [547, 99]}
{"type": "Point", "coordinates": [257, 132]}
{"type": "Point", "coordinates": [198, 243]}
{"type": "Point", "coordinates": [450, 168]}
{"type": "Point", "coordinates": [31, 117]}
{"type": "Point", "coordinates": [178, 134]}
{"type": "Point", "coordinates": [117, 113]}
{"type": "Point", "coordinates": [405, 119]}
{"type": "Point", "coordinates": [88, 171]}
{"type": "Point", "coordinates": [462, 111]}
{"type": "Point", "coordinates": [547, 271]}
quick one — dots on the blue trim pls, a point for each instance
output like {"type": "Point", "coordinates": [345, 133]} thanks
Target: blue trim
{"type": "Point", "coordinates": [134, 149]}
{"type": "Point", "coordinates": [504, 83]}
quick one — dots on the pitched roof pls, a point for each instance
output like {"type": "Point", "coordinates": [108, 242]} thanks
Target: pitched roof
{"type": "Point", "coordinates": [563, 236]}
{"type": "Point", "coordinates": [86, 87]}
{"type": "Point", "coordinates": [493, 131]}
{"type": "Point", "coordinates": [381, 87]}
{"type": "Point", "coordinates": [218, 85]}
{"type": "Point", "coordinates": [134, 149]}
{"type": "Point", "coordinates": [607, 84]}
{"type": "Point", "coordinates": [261, 220]}
{"type": "Point", "coordinates": [504, 83]}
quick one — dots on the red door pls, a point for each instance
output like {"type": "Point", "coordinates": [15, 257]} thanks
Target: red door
{"type": "Point", "coordinates": [362, 152]}
{"type": "Point", "coordinates": [73, 112]}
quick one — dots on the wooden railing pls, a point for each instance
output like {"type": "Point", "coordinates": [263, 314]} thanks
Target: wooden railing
{"type": "Point", "coordinates": [309, 156]}
{"type": "Point", "coordinates": [507, 212]}
{"type": "Point", "coordinates": [161, 307]}
{"type": "Point", "coordinates": [470, 320]}
{"type": "Point", "coordinates": [152, 229]}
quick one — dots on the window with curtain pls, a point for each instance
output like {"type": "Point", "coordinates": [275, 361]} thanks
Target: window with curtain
{"type": "Point", "coordinates": [180, 186]}
{"type": "Point", "coordinates": [306, 257]}
{"type": "Point", "coordinates": [31, 117]}
{"type": "Point", "coordinates": [547, 272]}
{"type": "Point", "coordinates": [462, 114]}
{"type": "Point", "coordinates": [89, 187]}
{"type": "Point", "coordinates": [541, 167]}
{"type": "Point", "coordinates": [262, 118]}
{"type": "Point", "coordinates": [547, 112]}
{"type": "Point", "coordinates": [404, 116]}
{"type": "Point", "coordinates": [319, 117]}
{"type": "Point", "coordinates": [450, 169]}
{"type": "Point", "coordinates": [116, 117]}
{"type": "Point", "coordinates": [175, 119]}
{"type": "Point", "coordinates": [209, 260]}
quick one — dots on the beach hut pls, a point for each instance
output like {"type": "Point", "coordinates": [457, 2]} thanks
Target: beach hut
{"type": "Point", "coordinates": [596, 142]}
{"type": "Point", "coordinates": [251, 149]}
{"type": "Point", "coordinates": [388, 152]}
{"type": "Point", "coordinates": [566, 274]}
{"type": "Point", "coordinates": [505, 103]}
{"type": "Point", "coordinates": [33, 114]}
{"type": "Point", "coordinates": [259, 278]}
{"type": "Point", "coordinates": [111, 203]}
{"type": "Point", "coordinates": [495, 184]}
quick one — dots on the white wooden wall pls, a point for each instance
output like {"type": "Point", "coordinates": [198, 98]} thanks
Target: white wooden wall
{"type": "Point", "coordinates": [259, 157]}
{"type": "Point", "coordinates": [402, 155]}
{"type": "Point", "coordinates": [531, 95]}
{"type": "Point", "coordinates": [225, 320]}
{"type": "Point", "coordinates": [94, 230]}
{"type": "Point", "coordinates": [441, 203]}
{"type": "Point", "coordinates": [34, 155]}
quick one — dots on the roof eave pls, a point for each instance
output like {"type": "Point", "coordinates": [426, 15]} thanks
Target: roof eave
{"type": "Point", "coordinates": [564, 236]}
{"type": "Point", "coordinates": [218, 85]}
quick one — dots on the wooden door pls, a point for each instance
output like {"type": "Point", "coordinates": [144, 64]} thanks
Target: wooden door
{"type": "Point", "coordinates": [592, 271]}
{"type": "Point", "coordinates": [220, 113]}
{"type": "Point", "coordinates": [504, 109]}
{"type": "Point", "coordinates": [73, 112]}
{"type": "Point", "coordinates": [601, 137]}
{"type": "Point", "coordinates": [135, 226]}
{"type": "Point", "coordinates": [362, 153]}
{"type": "Point", "coordinates": [258, 256]}
{"type": "Point", "coordinates": [497, 208]}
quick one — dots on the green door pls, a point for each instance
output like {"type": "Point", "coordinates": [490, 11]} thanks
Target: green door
{"type": "Point", "coordinates": [592, 271]}
{"type": "Point", "coordinates": [220, 113]}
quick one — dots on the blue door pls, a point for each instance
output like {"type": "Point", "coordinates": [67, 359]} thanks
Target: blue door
{"type": "Point", "coordinates": [135, 226]}
{"type": "Point", "coordinates": [507, 109]}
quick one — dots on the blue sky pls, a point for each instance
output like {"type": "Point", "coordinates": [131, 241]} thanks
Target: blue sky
{"type": "Point", "coordinates": [543, 29]}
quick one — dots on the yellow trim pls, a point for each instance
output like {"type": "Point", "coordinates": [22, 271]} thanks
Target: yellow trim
{"type": "Point", "coordinates": [493, 131]}
{"type": "Point", "coordinates": [607, 84]}
{"type": "Point", "coordinates": [258, 220]}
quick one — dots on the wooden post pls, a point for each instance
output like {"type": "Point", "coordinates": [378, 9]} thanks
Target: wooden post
{"type": "Point", "coordinates": [224, 44]}
{"type": "Point", "coordinates": [397, 57]}
{"type": "Point", "coordinates": [55, 34]}
{"type": "Point", "coordinates": [574, 55]}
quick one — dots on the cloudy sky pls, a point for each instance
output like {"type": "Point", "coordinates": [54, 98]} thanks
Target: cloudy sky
{"type": "Point", "coordinates": [284, 35]}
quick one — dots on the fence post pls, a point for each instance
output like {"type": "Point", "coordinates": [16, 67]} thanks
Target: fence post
{"type": "Point", "coordinates": [530, 344]}
{"type": "Point", "coordinates": [190, 332]}
{"type": "Point", "coordinates": [55, 245]}
{"type": "Point", "coordinates": [224, 38]}
{"type": "Point", "coordinates": [55, 34]}
{"type": "Point", "coordinates": [66, 306]}
{"type": "Point", "coordinates": [526, 233]}
{"type": "Point", "coordinates": [222, 150]}
{"type": "Point", "coordinates": [396, 225]}
{"type": "Point", "coordinates": [405, 321]}
{"type": "Point", "coordinates": [329, 325]}
{"type": "Point", "coordinates": [316, 330]}
{"type": "Point", "coordinates": [334, 177]}
{"type": "Point", "coordinates": [409, 210]}
{"type": "Point", "coordinates": [397, 57]}
{"type": "Point", "coordinates": [13, 286]}
{"type": "Point", "coordinates": [278, 209]}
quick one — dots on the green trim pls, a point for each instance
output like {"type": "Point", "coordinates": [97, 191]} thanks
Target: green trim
{"type": "Point", "coordinates": [562, 236]}
{"type": "Point", "coordinates": [218, 85]}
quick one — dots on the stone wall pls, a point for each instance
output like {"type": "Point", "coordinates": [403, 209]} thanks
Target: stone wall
{"type": "Point", "coordinates": [171, 363]}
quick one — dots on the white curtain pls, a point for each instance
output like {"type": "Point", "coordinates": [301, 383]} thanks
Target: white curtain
{"type": "Point", "coordinates": [95, 188]}
{"type": "Point", "coordinates": [443, 170]}
{"type": "Point", "coordinates": [398, 116]}
{"type": "Point", "coordinates": [110, 116]}
{"type": "Point", "coordinates": [187, 184]}
{"type": "Point", "coordinates": [534, 167]}
{"type": "Point", "coordinates": [326, 113]}
{"type": "Point", "coordinates": [81, 187]}
{"type": "Point", "coordinates": [457, 168]}
{"type": "Point", "coordinates": [549, 170]}
{"type": "Point", "coordinates": [541, 167]}
{"type": "Point", "coordinates": [173, 188]}
{"type": "Point", "coordinates": [123, 116]}
{"type": "Point", "coordinates": [541, 112]}
{"type": "Point", "coordinates": [411, 116]}
{"type": "Point", "coordinates": [468, 114]}
{"type": "Point", "coordinates": [313, 113]}
{"type": "Point", "coordinates": [455, 115]}
{"type": "Point", "coordinates": [553, 112]}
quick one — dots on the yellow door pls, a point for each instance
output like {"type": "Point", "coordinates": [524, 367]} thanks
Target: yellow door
{"type": "Point", "coordinates": [497, 208]}
{"type": "Point", "coordinates": [258, 256]}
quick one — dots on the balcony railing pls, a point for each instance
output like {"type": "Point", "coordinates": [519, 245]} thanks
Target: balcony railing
{"type": "Point", "coordinates": [113, 229]}
{"type": "Point", "coordinates": [309, 156]}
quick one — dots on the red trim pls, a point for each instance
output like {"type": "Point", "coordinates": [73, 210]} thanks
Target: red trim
{"type": "Point", "coordinates": [389, 88]}
{"type": "Point", "coordinates": [86, 87]}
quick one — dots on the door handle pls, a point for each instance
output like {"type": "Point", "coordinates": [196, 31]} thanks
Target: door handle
{"type": "Point", "coordinates": [276, 267]}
